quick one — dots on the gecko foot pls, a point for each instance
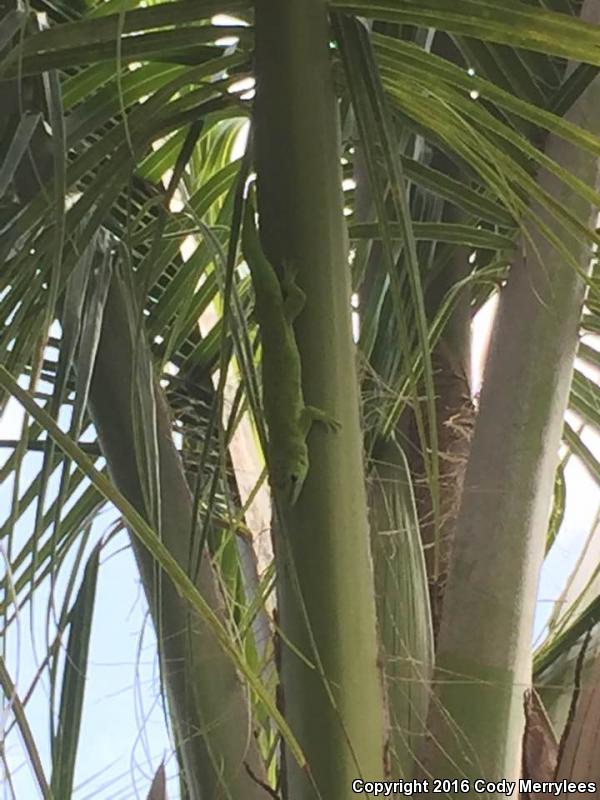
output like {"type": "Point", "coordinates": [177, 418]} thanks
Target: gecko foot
{"type": "Point", "coordinates": [312, 414]}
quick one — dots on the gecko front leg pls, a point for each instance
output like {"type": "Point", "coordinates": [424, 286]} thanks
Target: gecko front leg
{"type": "Point", "coordinates": [311, 414]}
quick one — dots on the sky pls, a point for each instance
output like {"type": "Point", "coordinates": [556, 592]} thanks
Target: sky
{"type": "Point", "coordinates": [124, 737]}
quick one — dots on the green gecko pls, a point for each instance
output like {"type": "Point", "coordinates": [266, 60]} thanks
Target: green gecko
{"type": "Point", "coordinates": [288, 417]}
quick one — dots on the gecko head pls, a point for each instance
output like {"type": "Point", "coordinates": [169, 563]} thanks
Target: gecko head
{"type": "Point", "coordinates": [290, 479]}
{"type": "Point", "coordinates": [296, 482]}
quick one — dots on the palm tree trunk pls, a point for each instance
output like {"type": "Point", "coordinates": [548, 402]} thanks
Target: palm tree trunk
{"type": "Point", "coordinates": [484, 646]}
{"type": "Point", "coordinates": [325, 580]}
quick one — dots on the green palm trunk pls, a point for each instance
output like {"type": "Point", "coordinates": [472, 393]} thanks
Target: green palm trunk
{"type": "Point", "coordinates": [484, 650]}
{"type": "Point", "coordinates": [325, 585]}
